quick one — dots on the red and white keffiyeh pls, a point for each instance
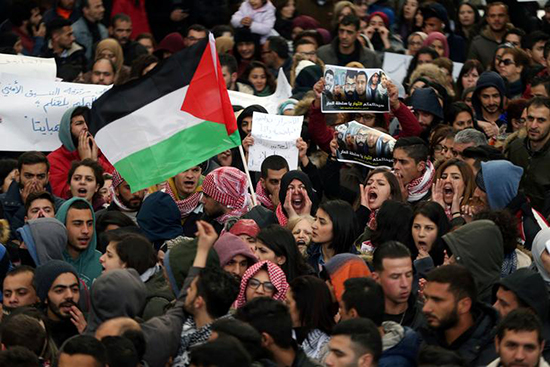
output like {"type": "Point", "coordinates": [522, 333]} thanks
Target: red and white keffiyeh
{"type": "Point", "coordinates": [419, 187]}
{"type": "Point", "coordinates": [187, 205]}
{"type": "Point", "coordinates": [276, 276]}
{"type": "Point", "coordinates": [228, 186]}
{"type": "Point", "coordinates": [263, 196]}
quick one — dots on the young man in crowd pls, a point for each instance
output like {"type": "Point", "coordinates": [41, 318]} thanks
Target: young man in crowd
{"type": "Point", "coordinates": [534, 45]}
{"type": "Point", "coordinates": [123, 199]}
{"type": "Point", "coordinates": [39, 204]}
{"type": "Point", "coordinates": [229, 71]}
{"type": "Point", "coordinates": [82, 350]}
{"type": "Point", "coordinates": [58, 288]}
{"type": "Point", "coordinates": [354, 342]}
{"type": "Point", "coordinates": [121, 29]}
{"type": "Point", "coordinates": [34, 176]}
{"type": "Point", "coordinates": [272, 170]}
{"type": "Point", "coordinates": [79, 218]}
{"type": "Point", "coordinates": [393, 270]}
{"type": "Point", "coordinates": [18, 289]}
{"type": "Point", "coordinates": [455, 319]}
{"type": "Point", "coordinates": [88, 29]}
{"type": "Point", "coordinates": [488, 102]}
{"type": "Point", "coordinates": [275, 55]}
{"type": "Point", "coordinates": [519, 341]}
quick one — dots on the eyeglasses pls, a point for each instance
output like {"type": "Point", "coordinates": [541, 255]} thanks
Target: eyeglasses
{"type": "Point", "coordinates": [267, 286]}
{"type": "Point", "coordinates": [506, 62]}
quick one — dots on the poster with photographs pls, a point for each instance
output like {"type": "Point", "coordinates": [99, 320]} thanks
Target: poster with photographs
{"type": "Point", "coordinates": [361, 144]}
{"type": "Point", "coordinates": [354, 90]}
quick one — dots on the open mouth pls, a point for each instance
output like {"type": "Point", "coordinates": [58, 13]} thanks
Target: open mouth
{"type": "Point", "coordinates": [448, 191]}
{"type": "Point", "coordinates": [83, 240]}
{"type": "Point", "coordinates": [297, 201]}
{"type": "Point", "coordinates": [422, 245]}
{"type": "Point", "coordinates": [372, 196]}
{"type": "Point", "coordinates": [301, 242]}
{"type": "Point", "coordinates": [82, 192]}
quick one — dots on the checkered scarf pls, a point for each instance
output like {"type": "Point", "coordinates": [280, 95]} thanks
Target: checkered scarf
{"type": "Point", "coordinates": [276, 276]}
{"type": "Point", "coordinates": [263, 197]}
{"type": "Point", "coordinates": [187, 205]}
{"type": "Point", "coordinates": [117, 181]}
{"type": "Point", "coordinates": [281, 216]}
{"type": "Point", "coordinates": [419, 187]}
{"type": "Point", "coordinates": [228, 186]}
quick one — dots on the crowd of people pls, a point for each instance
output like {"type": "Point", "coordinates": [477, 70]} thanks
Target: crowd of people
{"type": "Point", "coordinates": [442, 259]}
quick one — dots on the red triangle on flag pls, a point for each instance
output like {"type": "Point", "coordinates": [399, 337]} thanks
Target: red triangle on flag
{"type": "Point", "coordinates": [207, 96]}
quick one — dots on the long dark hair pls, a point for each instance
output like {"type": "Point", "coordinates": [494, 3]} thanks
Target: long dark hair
{"type": "Point", "coordinates": [345, 228]}
{"type": "Point", "coordinates": [281, 241]}
{"type": "Point", "coordinates": [314, 304]}
{"type": "Point", "coordinates": [391, 220]}
{"type": "Point", "coordinates": [270, 80]}
{"type": "Point", "coordinates": [434, 212]}
{"type": "Point", "coordinates": [466, 68]}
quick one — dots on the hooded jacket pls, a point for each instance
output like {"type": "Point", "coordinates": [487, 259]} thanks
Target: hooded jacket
{"type": "Point", "coordinates": [400, 346]}
{"type": "Point", "coordinates": [45, 238]}
{"type": "Point", "coordinates": [426, 100]}
{"type": "Point", "coordinates": [479, 247]}
{"type": "Point", "coordinates": [501, 179]}
{"type": "Point", "coordinates": [528, 286]}
{"type": "Point", "coordinates": [276, 276]}
{"type": "Point", "coordinates": [476, 345]}
{"type": "Point", "coordinates": [159, 218]}
{"type": "Point", "coordinates": [117, 293]}
{"type": "Point", "coordinates": [488, 79]}
{"type": "Point", "coordinates": [62, 158]}
{"type": "Point", "coordinates": [302, 177]}
{"type": "Point", "coordinates": [87, 263]}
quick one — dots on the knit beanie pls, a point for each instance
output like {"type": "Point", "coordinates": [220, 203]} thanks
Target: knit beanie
{"type": "Point", "coordinates": [344, 266]}
{"type": "Point", "coordinates": [228, 246]}
{"type": "Point", "coordinates": [46, 274]}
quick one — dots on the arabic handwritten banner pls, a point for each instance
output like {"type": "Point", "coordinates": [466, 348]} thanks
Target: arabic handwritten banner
{"type": "Point", "coordinates": [274, 135]}
{"type": "Point", "coordinates": [396, 66]}
{"type": "Point", "coordinates": [32, 67]}
{"type": "Point", "coordinates": [271, 103]}
{"type": "Point", "coordinates": [31, 110]}
{"type": "Point", "coordinates": [363, 145]}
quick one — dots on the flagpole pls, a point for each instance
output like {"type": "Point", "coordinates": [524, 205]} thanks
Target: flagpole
{"type": "Point", "coordinates": [250, 185]}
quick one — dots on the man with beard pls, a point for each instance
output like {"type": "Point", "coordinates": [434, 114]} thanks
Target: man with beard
{"type": "Point", "coordinates": [349, 87]}
{"type": "Point", "coordinates": [88, 30]}
{"type": "Point", "coordinates": [519, 341]}
{"type": "Point", "coordinates": [58, 288]}
{"type": "Point", "coordinates": [121, 29]}
{"type": "Point", "coordinates": [329, 84]}
{"type": "Point", "coordinates": [78, 216]}
{"type": "Point", "coordinates": [488, 102]}
{"type": "Point", "coordinates": [123, 199]}
{"type": "Point", "coordinates": [224, 195]}
{"type": "Point", "coordinates": [76, 144]}
{"type": "Point", "coordinates": [532, 154]}
{"type": "Point", "coordinates": [18, 289]}
{"type": "Point", "coordinates": [235, 255]}
{"type": "Point", "coordinates": [455, 319]}
{"type": "Point", "coordinates": [361, 86]}
{"type": "Point", "coordinates": [209, 297]}
{"type": "Point", "coordinates": [34, 176]}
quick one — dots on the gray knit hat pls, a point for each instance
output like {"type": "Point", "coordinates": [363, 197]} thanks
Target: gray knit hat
{"type": "Point", "coordinates": [46, 274]}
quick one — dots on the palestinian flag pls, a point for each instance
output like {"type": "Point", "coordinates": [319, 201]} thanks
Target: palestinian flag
{"type": "Point", "coordinates": [173, 118]}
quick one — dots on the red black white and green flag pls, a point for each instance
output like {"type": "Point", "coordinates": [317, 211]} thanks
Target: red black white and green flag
{"type": "Point", "coordinates": [173, 118]}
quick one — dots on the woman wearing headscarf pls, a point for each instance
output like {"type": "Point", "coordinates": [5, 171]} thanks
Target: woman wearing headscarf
{"type": "Point", "coordinates": [296, 197]}
{"type": "Point", "coordinates": [438, 42]}
{"type": "Point", "coordinates": [109, 48]}
{"type": "Point", "coordinates": [263, 279]}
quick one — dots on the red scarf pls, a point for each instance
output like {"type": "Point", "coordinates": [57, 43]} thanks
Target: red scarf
{"type": "Point", "coordinates": [263, 197]}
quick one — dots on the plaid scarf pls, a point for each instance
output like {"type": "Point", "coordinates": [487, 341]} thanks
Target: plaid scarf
{"type": "Point", "coordinates": [281, 217]}
{"type": "Point", "coordinates": [187, 205]}
{"type": "Point", "coordinates": [419, 187]}
{"type": "Point", "coordinates": [263, 197]}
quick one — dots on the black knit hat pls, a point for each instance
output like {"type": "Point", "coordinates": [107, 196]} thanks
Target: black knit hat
{"type": "Point", "coordinates": [46, 274]}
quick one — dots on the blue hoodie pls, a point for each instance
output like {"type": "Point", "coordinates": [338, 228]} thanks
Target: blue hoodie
{"type": "Point", "coordinates": [488, 79]}
{"type": "Point", "coordinates": [501, 180]}
{"type": "Point", "coordinates": [87, 263]}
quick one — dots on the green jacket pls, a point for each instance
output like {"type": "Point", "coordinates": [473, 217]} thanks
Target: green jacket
{"type": "Point", "coordinates": [87, 264]}
{"type": "Point", "coordinates": [536, 165]}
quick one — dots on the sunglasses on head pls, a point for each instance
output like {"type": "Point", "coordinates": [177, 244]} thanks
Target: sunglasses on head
{"type": "Point", "coordinates": [267, 286]}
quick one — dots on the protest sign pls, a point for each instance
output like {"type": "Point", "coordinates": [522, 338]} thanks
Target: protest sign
{"type": "Point", "coordinates": [270, 103]}
{"type": "Point", "coordinates": [274, 135]}
{"type": "Point", "coordinates": [396, 66]}
{"type": "Point", "coordinates": [31, 67]}
{"type": "Point", "coordinates": [354, 90]}
{"type": "Point", "coordinates": [363, 145]}
{"type": "Point", "coordinates": [31, 110]}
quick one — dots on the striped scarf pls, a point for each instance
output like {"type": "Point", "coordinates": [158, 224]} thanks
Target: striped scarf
{"type": "Point", "coordinates": [419, 187]}
{"type": "Point", "coordinates": [263, 196]}
{"type": "Point", "coordinates": [187, 205]}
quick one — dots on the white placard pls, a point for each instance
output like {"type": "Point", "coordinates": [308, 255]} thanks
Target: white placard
{"type": "Point", "coordinates": [32, 67]}
{"type": "Point", "coordinates": [396, 66]}
{"type": "Point", "coordinates": [31, 110]}
{"type": "Point", "coordinates": [270, 103]}
{"type": "Point", "coordinates": [274, 135]}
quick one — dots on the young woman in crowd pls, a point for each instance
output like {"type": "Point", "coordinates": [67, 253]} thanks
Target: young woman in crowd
{"type": "Point", "coordinates": [514, 66]}
{"type": "Point", "coordinates": [453, 186]}
{"type": "Point", "coordinates": [404, 26]}
{"type": "Point", "coordinates": [132, 251]}
{"type": "Point", "coordinates": [437, 144]}
{"type": "Point", "coordinates": [263, 279]}
{"type": "Point", "coordinates": [438, 42]}
{"type": "Point", "coordinates": [286, 11]}
{"type": "Point", "coordinates": [85, 179]}
{"type": "Point", "coordinates": [300, 227]}
{"type": "Point", "coordinates": [296, 197]}
{"type": "Point", "coordinates": [468, 21]}
{"type": "Point", "coordinates": [495, 64]}
{"type": "Point", "coordinates": [461, 116]}
{"type": "Point", "coordinates": [415, 42]}
{"type": "Point", "coordinates": [277, 244]}
{"type": "Point", "coordinates": [334, 231]}
{"type": "Point", "coordinates": [312, 311]}
{"type": "Point", "coordinates": [259, 77]}
{"type": "Point", "coordinates": [381, 39]}
{"type": "Point", "coordinates": [468, 76]}
{"type": "Point", "coordinates": [429, 224]}
{"type": "Point", "coordinates": [246, 49]}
